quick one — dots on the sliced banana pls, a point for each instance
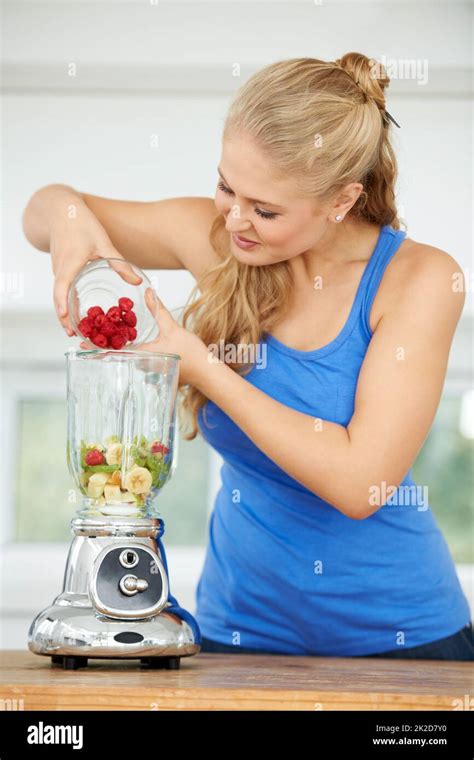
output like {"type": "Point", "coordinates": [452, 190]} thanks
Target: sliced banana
{"type": "Point", "coordinates": [138, 480]}
{"type": "Point", "coordinates": [112, 493]}
{"type": "Point", "coordinates": [95, 486]}
{"type": "Point", "coordinates": [113, 455]}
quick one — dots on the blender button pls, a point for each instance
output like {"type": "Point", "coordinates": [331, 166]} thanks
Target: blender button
{"type": "Point", "coordinates": [128, 637]}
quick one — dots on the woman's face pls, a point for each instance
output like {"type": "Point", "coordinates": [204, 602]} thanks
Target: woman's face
{"type": "Point", "coordinates": [281, 222]}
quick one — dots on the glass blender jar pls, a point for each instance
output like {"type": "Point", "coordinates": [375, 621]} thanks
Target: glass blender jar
{"type": "Point", "coordinates": [121, 447]}
{"type": "Point", "coordinates": [121, 450]}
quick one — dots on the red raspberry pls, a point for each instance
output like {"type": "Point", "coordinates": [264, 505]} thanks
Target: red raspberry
{"type": "Point", "coordinates": [132, 333]}
{"type": "Point", "coordinates": [108, 328]}
{"type": "Point", "coordinates": [130, 318]}
{"type": "Point", "coordinates": [159, 448]}
{"type": "Point", "coordinates": [114, 314]}
{"type": "Point", "coordinates": [94, 457]}
{"type": "Point", "coordinates": [117, 341]}
{"type": "Point", "coordinates": [99, 320]}
{"type": "Point", "coordinates": [99, 340]}
{"type": "Point", "coordinates": [126, 304]}
{"type": "Point", "coordinates": [85, 327]}
{"type": "Point", "coordinates": [94, 311]}
{"type": "Point", "coordinates": [122, 329]}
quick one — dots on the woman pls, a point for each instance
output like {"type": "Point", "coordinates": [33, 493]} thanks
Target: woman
{"type": "Point", "coordinates": [314, 547]}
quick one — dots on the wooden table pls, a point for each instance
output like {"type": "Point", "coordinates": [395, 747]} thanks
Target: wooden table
{"type": "Point", "coordinates": [235, 682]}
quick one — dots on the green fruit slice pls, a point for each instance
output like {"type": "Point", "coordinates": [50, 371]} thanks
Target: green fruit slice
{"type": "Point", "coordinates": [101, 467]}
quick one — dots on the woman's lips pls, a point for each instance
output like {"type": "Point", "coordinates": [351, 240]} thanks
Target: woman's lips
{"type": "Point", "coordinates": [243, 242]}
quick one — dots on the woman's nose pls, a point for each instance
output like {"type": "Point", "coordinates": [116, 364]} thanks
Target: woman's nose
{"type": "Point", "coordinates": [234, 223]}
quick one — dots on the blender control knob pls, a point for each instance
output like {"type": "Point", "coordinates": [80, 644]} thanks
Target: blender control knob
{"type": "Point", "coordinates": [131, 585]}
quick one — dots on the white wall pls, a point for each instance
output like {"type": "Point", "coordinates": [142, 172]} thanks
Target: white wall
{"type": "Point", "coordinates": [166, 68]}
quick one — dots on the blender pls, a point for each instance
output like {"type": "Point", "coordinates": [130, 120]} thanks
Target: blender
{"type": "Point", "coordinates": [121, 451]}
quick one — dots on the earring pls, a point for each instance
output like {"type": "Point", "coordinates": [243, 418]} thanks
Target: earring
{"type": "Point", "coordinates": [338, 218]}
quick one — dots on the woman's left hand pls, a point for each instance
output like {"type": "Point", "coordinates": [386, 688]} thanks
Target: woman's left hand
{"type": "Point", "coordinates": [174, 339]}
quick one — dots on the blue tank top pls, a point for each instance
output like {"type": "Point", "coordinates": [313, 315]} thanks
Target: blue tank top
{"type": "Point", "coordinates": [287, 572]}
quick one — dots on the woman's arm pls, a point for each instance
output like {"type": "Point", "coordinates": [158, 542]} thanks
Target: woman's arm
{"type": "Point", "coordinates": [172, 233]}
{"type": "Point", "coordinates": [398, 392]}
{"type": "Point", "coordinates": [76, 227]}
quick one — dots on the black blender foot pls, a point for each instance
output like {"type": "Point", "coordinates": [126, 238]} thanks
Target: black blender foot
{"type": "Point", "coordinates": [161, 663]}
{"type": "Point", "coordinates": [69, 663]}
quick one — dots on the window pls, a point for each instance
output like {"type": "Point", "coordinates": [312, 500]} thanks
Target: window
{"type": "Point", "coordinates": [46, 497]}
{"type": "Point", "coordinates": [445, 465]}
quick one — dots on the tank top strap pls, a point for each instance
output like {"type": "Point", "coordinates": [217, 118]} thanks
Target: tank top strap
{"type": "Point", "coordinates": [390, 242]}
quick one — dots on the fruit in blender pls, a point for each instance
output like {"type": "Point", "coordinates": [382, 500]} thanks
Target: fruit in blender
{"type": "Point", "coordinates": [84, 478]}
{"type": "Point", "coordinates": [147, 466]}
{"type": "Point", "coordinates": [138, 480]}
{"type": "Point", "coordinates": [95, 457]}
{"type": "Point", "coordinates": [112, 493]}
{"type": "Point", "coordinates": [158, 448]}
{"type": "Point", "coordinates": [115, 478]}
{"type": "Point", "coordinates": [113, 454]}
{"type": "Point", "coordinates": [96, 484]}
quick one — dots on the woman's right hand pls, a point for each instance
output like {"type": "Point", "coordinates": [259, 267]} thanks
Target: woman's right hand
{"type": "Point", "coordinates": [74, 242]}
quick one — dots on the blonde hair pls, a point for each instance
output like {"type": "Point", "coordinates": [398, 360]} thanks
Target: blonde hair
{"type": "Point", "coordinates": [287, 109]}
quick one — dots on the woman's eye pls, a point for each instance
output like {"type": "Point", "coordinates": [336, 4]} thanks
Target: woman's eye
{"type": "Point", "coordinates": [224, 189]}
{"type": "Point", "coordinates": [263, 214]}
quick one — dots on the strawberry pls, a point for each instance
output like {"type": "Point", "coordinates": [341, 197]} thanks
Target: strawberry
{"type": "Point", "coordinates": [159, 448]}
{"type": "Point", "coordinates": [126, 304]}
{"type": "Point", "coordinates": [94, 457]}
{"type": "Point", "coordinates": [130, 318]}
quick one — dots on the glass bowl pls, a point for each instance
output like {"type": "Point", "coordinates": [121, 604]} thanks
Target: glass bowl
{"type": "Point", "coordinates": [99, 283]}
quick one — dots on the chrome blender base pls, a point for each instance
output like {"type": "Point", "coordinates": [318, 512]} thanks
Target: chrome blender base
{"type": "Point", "coordinates": [80, 625]}
{"type": "Point", "coordinates": [72, 635]}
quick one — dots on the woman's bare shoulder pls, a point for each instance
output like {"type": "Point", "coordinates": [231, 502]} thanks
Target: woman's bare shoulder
{"type": "Point", "coordinates": [419, 267]}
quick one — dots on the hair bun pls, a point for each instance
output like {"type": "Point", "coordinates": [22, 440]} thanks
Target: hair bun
{"type": "Point", "coordinates": [368, 74]}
